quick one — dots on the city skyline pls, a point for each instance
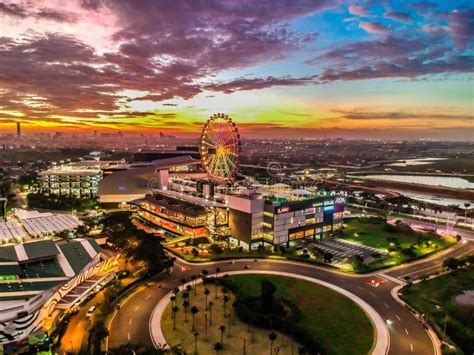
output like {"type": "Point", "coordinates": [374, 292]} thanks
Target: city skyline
{"type": "Point", "coordinates": [281, 69]}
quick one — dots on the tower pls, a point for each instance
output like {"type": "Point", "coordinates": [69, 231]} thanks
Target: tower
{"type": "Point", "coordinates": [18, 129]}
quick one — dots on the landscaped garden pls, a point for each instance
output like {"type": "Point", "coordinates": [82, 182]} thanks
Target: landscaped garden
{"type": "Point", "coordinates": [447, 303]}
{"type": "Point", "coordinates": [282, 315]}
{"type": "Point", "coordinates": [400, 240]}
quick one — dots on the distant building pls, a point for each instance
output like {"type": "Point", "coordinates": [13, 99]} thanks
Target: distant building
{"type": "Point", "coordinates": [150, 155]}
{"type": "Point", "coordinates": [18, 129]}
{"type": "Point", "coordinates": [79, 180]}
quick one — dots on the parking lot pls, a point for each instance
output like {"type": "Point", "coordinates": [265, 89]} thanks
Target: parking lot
{"type": "Point", "coordinates": [343, 249]}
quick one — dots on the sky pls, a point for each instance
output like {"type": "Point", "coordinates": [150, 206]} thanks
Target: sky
{"type": "Point", "coordinates": [280, 68]}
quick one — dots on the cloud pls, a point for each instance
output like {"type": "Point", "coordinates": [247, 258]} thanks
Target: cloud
{"type": "Point", "coordinates": [390, 57]}
{"type": "Point", "coordinates": [21, 11]}
{"type": "Point", "coordinates": [399, 16]}
{"type": "Point", "coordinates": [259, 83]}
{"type": "Point", "coordinates": [399, 115]}
{"type": "Point", "coordinates": [461, 27]}
{"type": "Point", "coordinates": [373, 27]}
{"type": "Point", "coordinates": [359, 10]}
{"type": "Point", "coordinates": [12, 10]}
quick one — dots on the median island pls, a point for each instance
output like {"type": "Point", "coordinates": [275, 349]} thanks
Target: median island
{"type": "Point", "coordinates": [265, 313]}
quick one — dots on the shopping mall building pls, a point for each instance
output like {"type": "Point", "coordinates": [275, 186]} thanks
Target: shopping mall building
{"type": "Point", "coordinates": [174, 196]}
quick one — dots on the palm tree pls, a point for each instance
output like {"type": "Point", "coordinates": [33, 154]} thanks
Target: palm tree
{"type": "Point", "coordinates": [183, 281]}
{"type": "Point", "coordinates": [195, 342]}
{"type": "Point", "coordinates": [194, 311]}
{"type": "Point", "coordinates": [185, 306]}
{"type": "Point", "coordinates": [226, 299]}
{"type": "Point", "coordinates": [189, 288]}
{"type": "Point", "coordinates": [193, 283]}
{"type": "Point", "coordinates": [272, 336]}
{"type": "Point", "coordinates": [218, 347]}
{"type": "Point", "coordinates": [175, 310]}
{"type": "Point", "coordinates": [206, 293]}
{"type": "Point", "coordinates": [466, 206]}
{"type": "Point", "coordinates": [204, 273]}
{"type": "Point", "coordinates": [173, 299]}
{"type": "Point", "coordinates": [218, 270]}
{"type": "Point", "coordinates": [222, 329]}
{"type": "Point", "coordinates": [210, 312]}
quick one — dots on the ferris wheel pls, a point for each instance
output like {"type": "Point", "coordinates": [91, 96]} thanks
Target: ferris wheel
{"type": "Point", "coordinates": [220, 148]}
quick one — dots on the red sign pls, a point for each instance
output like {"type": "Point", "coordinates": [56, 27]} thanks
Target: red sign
{"type": "Point", "coordinates": [283, 210]}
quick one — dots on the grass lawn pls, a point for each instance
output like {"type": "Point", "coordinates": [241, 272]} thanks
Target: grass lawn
{"type": "Point", "coordinates": [436, 299]}
{"type": "Point", "coordinates": [257, 339]}
{"type": "Point", "coordinates": [335, 321]}
{"type": "Point", "coordinates": [373, 232]}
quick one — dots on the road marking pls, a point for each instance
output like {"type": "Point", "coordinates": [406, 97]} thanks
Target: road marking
{"type": "Point", "coordinates": [148, 297]}
{"type": "Point", "coordinates": [406, 331]}
{"type": "Point", "coordinates": [396, 315]}
{"type": "Point", "coordinates": [128, 336]}
{"type": "Point", "coordinates": [130, 321]}
{"type": "Point", "coordinates": [136, 308]}
{"type": "Point", "coordinates": [373, 294]}
{"type": "Point", "coordinates": [420, 270]}
{"type": "Point", "coordinates": [411, 347]}
{"type": "Point", "coordinates": [386, 305]}
{"type": "Point", "coordinates": [360, 288]}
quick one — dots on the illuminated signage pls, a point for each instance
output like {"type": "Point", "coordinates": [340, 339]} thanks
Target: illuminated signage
{"type": "Point", "coordinates": [8, 277]}
{"type": "Point", "coordinates": [340, 200]}
{"type": "Point", "coordinates": [283, 210]}
{"type": "Point", "coordinates": [317, 204]}
{"type": "Point", "coordinates": [328, 208]}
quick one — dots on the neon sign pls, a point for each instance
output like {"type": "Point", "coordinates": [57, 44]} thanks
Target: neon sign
{"type": "Point", "coordinates": [283, 210]}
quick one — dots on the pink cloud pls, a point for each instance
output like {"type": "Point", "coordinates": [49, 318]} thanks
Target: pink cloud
{"type": "Point", "coordinates": [373, 27]}
{"type": "Point", "coordinates": [358, 10]}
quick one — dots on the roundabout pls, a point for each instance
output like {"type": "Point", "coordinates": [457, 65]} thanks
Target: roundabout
{"type": "Point", "coordinates": [378, 344]}
{"type": "Point", "coordinates": [406, 334]}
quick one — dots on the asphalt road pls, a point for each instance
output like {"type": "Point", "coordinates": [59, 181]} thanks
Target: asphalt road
{"type": "Point", "coordinates": [407, 334]}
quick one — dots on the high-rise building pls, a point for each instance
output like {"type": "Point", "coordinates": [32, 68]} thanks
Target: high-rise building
{"type": "Point", "coordinates": [18, 129]}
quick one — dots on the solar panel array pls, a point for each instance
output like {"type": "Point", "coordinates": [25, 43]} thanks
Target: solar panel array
{"type": "Point", "coordinates": [11, 231]}
{"type": "Point", "coordinates": [51, 224]}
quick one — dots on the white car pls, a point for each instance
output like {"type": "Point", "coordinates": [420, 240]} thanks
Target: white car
{"type": "Point", "coordinates": [90, 311]}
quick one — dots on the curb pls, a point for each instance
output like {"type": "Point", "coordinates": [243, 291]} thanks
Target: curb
{"type": "Point", "coordinates": [382, 342]}
{"type": "Point", "coordinates": [431, 333]}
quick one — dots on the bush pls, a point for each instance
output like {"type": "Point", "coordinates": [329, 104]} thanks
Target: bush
{"type": "Point", "coordinates": [408, 253]}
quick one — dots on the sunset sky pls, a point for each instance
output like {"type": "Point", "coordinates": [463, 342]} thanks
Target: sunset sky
{"type": "Point", "coordinates": [279, 68]}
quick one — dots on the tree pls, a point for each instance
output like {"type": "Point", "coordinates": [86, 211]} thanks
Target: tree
{"type": "Point", "coordinates": [206, 293]}
{"type": "Point", "coordinates": [172, 299]}
{"type": "Point", "coordinates": [466, 206]}
{"type": "Point", "coordinates": [175, 310]}
{"type": "Point", "coordinates": [452, 263]}
{"type": "Point", "coordinates": [272, 336]}
{"type": "Point", "coordinates": [189, 288]}
{"type": "Point", "coordinates": [210, 312]}
{"type": "Point", "coordinates": [222, 330]}
{"type": "Point", "coordinates": [218, 347]}
{"type": "Point", "coordinates": [185, 306]}
{"type": "Point", "coordinates": [218, 270]}
{"type": "Point", "coordinates": [226, 299]}
{"type": "Point", "coordinates": [194, 311]}
{"type": "Point", "coordinates": [327, 256]}
{"type": "Point", "coordinates": [267, 295]}
{"type": "Point", "coordinates": [204, 273]}
{"type": "Point", "coordinates": [193, 283]}
{"type": "Point", "coordinates": [98, 333]}
{"type": "Point", "coordinates": [195, 342]}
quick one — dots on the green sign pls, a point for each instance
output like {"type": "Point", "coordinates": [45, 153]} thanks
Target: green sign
{"type": "Point", "coordinates": [8, 277]}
